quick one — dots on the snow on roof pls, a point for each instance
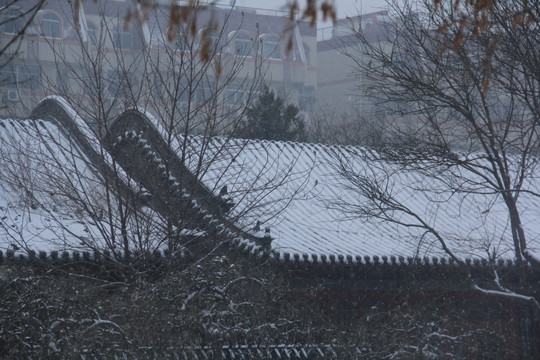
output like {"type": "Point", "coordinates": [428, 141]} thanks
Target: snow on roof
{"type": "Point", "coordinates": [40, 148]}
{"type": "Point", "coordinates": [43, 174]}
{"type": "Point", "coordinates": [295, 191]}
{"type": "Point", "coordinates": [311, 223]}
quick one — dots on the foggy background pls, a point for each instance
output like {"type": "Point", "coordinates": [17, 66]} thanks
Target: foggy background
{"type": "Point", "coordinates": [344, 7]}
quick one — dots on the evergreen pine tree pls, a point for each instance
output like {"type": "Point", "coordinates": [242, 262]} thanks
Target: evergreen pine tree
{"type": "Point", "coordinates": [270, 118]}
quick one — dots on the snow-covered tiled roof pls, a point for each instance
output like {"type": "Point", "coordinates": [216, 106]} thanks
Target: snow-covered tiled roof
{"type": "Point", "coordinates": [295, 191]}
{"type": "Point", "coordinates": [306, 218]}
{"type": "Point", "coordinates": [40, 148]}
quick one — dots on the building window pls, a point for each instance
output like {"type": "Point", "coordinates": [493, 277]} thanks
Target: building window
{"type": "Point", "coordinates": [271, 48]}
{"type": "Point", "coordinates": [13, 22]}
{"type": "Point", "coordinates": [119, 84]}
{"type": "Point", "coordinates": [214, 40]}
{"type": "Point", "coordinates": [92, 33]}
{"type": "Point", "coordinates": [63, 82]}
{"type": "Point", "coordinates": [51, 26]}
{"type": "Point", "coordinates": [182, 95]}
{"type": "Point", "coordinates": [14, 76]}
{"type": "Point", "coordinates": [242, 45]}
{"type": "Point", "coordinates": [205, 92]}
{"type": "Point", "coordinates": [235, 94]}
{"type": "Point", "coordinates": [181, 43]}
{"type": "Point", "coordinates": [122, 38]}
{"type": "Point", "coordinates": [92, 87]}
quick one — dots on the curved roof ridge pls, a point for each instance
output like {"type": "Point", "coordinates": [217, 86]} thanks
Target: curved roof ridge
{"type": "Point", "coordinates": [56, 109]}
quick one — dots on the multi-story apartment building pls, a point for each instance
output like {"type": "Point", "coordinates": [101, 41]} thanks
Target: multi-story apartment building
{"type": "Point", "coordinates": [117, 55]}
{"type": "Point", "coordinates": [341, 89]}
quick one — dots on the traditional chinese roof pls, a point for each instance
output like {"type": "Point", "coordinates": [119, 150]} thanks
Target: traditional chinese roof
{"type": "Point", "coordinates": [292, 189]}
{"type": "Point", "coordinates": [308, 222]}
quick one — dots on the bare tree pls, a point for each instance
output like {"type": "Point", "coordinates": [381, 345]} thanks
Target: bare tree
{"type": "Point", "coordinates": [170, 180]}
{"type": "Point", "coordinates": [465, 133]}
{"type": "Point", "coordinates": [460, 173]}
{"type": "Point", "coordinates": [15, 21]}
{"type": "Point", "coordinates": [474, 123]}
{"type": "Point", "coordinates": [168, 186]}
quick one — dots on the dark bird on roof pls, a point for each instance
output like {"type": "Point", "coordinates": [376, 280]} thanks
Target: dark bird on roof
{"type": "Point", "coordinates": [258, 226]}
{"type": "Point", "coordinates": [223, 191]}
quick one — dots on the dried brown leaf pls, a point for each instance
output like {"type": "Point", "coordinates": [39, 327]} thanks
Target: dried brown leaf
{"type": "Point", "coordinates": [485, 86]}
{"type": "Point", "coordinates": [458, 40]}
{"type": "Point", "coordinates": [289, 45]}
{"type": "Point", "coordinates": [443, 28]}
{"type": "Point", "coordinates": [442, 50]}
{"type": "Point", "coordinates": [193, 28]}
{"type": "Point", "coordinates": [517, 20]}
{"type": "Point", "coordinates": [483, 21]}
{"type": "Point", "coordinates": [206, 47]}
{"type": "Point", "coordinates": [76, 8]}
{"type": "Point", "coordinates": [310, 13]}
{"type": "Point", "coordinates": [172, 33]}
{"type": "Point", "coordinates": [293, 11]}
{"type": "Point", "coordinates": [127, 19]}
{"type": "Point", "coordinates": [328, 11]}
{"type": "Point", "coordinates": [218, 69]}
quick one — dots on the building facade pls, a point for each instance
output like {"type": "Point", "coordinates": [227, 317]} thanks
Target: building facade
{"type": "Point", "coordinates": [116, 55]}
{"type": "Point", "coordinates": [341, 89]}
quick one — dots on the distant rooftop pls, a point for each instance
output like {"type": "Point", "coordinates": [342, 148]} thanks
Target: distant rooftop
{"type": "Point", "coordinates": [347, 25]}
{"type": "Point", "coordinates": [239, 5]}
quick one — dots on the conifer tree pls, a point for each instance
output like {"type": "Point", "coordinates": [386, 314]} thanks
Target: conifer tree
{"type": "Point", "coordinates": [270, 118]}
